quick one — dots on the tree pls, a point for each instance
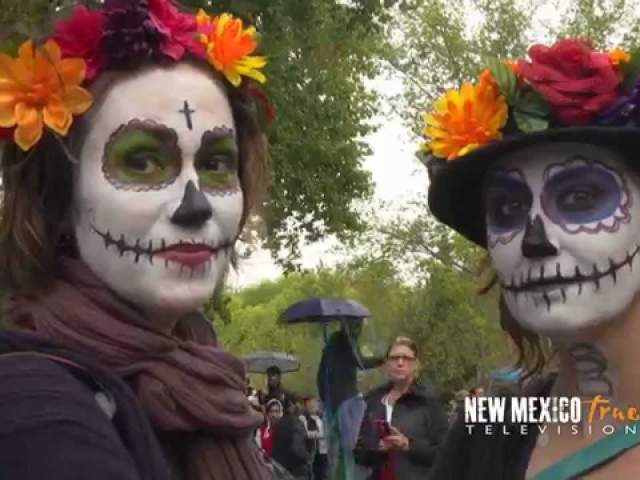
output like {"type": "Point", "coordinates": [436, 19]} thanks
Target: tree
{"type": "Point", "coordinates": [457, 330]}
{"type": "Point", "coordinates": [445, 41]}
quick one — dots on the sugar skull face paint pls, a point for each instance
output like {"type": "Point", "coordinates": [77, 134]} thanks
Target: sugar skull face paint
{"type": "Point", "coordinates": [157, 199]}
{"type": "Point", "coordinates": [563, 229]}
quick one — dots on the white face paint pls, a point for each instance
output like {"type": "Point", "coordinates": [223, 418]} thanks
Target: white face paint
{"type": "Point", "coordinates": [563, 228]}
{"type": "Point", "coordinates": [157, 201]}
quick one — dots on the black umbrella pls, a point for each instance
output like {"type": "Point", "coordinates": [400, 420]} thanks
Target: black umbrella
{"type": "Point", "coordinates": [321, 310]}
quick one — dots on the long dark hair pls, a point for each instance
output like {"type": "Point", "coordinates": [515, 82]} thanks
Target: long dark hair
{"type": "Point", "coordinates": [533, 354]}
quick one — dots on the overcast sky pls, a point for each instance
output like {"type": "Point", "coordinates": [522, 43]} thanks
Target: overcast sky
{"type": "Point", "coordinates": [397, 175]}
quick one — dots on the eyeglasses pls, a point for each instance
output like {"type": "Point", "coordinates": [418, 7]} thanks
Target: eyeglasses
{"type": "Point", "coordinates": [404, 358]}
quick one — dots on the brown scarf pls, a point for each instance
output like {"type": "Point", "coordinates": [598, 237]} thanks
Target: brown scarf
{"type": "Point", "coordinates": [183, 381]}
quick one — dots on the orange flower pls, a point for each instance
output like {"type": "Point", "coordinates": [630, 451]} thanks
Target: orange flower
{"type": "Point", "coordinates": [40, 88]}
{"type": "Point", "coordinates": [513, 66]}
{"type": "Point", "coordinates": [465, 119]}
{"type": "Point", "coordinates": [618, 56]}
{"type": "Point", "coordinates": [229, 47]}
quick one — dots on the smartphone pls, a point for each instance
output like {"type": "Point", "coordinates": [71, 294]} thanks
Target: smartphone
{"type": "Point", "coordinates": [383, 427]}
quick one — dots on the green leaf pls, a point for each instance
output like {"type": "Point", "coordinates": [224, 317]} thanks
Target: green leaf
{"type": "Point", "coordinates": [423, 156]}
{"type": "Point", "coordinates": [631, 70]}
{"type": "Point", "coordinates": [531, 102]}
{"type": "Point", "coordinates": [504, 77]}
{"type": "Point", "coordinates": [529, 123]}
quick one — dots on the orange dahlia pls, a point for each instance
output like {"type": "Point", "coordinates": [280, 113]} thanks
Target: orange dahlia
{"type": "Point", "coordinates": [464, 119]}
{"type": "Point", "coordinates": [229, 47]}
{"type": "Point", "coordinates": [40, 88]}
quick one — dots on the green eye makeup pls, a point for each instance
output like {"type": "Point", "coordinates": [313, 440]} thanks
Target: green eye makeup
{"type": "Point", "coordinates": [217, 161]}
{"type": "Point", "coordinates": [142, 155]}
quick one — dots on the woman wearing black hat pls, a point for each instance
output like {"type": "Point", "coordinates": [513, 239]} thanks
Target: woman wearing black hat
{"type": "Point", "coordinates": [537, 163]}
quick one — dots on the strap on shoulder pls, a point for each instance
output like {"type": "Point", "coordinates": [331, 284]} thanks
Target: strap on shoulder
{"type": "Point", "coordinates": [103, 398]}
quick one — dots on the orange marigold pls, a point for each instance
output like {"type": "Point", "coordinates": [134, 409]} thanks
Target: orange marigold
{"type": "Point", "coordinates": [465, 119]}
{"type": "Point", "coordinates": [229, 47]}
{"type": "Point", "coordinates": [40, 88]}
{"type": "Point", "coordinates": [618, 56]}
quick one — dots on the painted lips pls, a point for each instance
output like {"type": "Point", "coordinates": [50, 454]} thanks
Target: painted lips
{"type": "Point", "coordinates": [190, 255]}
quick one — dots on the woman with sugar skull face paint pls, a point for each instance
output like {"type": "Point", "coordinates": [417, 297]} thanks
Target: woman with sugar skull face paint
{"type": "Point", "coordinates": [135, 158]}
{"type": "Point", "coordinates": [539, 167]}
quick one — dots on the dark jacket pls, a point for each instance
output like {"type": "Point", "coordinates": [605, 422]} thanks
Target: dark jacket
{"type": "Point", "coordinates": [52, 426]}
{"type": "Point", "coordinates": [495, 456]}
{"type": "Point", "coordinates": [419, 416]}
{"type": "Point", "coordinates": [289, 445]}
{"type": "Point", "coordinates": [338, 371]}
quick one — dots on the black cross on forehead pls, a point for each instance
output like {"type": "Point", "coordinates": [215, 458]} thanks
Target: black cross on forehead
{"type": "Point", "coordinates": [186, 111]}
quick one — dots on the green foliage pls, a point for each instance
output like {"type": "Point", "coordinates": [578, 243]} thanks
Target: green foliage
{"type": "Point", "coordinates": [503, 76]}
{"type": "Point", "coordinates": [443, 47]}
{"type": "Point", "coordinates": [456, 329]}
{"type": "Point", "coordinates": [255, 312]}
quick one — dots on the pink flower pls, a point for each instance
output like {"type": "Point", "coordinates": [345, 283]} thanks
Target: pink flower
{"type": "Point", "coordinates": [178, 30]}
{"type": "Point", "coordinates": [80, 36]}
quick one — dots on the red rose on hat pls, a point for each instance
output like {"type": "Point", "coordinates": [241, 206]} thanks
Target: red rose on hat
{"type": "Point", "coordinates": [577, 81]}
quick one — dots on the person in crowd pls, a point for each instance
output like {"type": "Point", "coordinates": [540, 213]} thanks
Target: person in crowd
{"type": "Point", "coordinates": [456, 405]}
{"type": "Point", "coordinates": [275, 388]}
{"type": "Point", "coordinates": [290, 441]}
{"type": "Point", "coordinates": [404, 423]}
{"type": "Point", "coordinates": [557, 207]}
{"type": "Point", "coordinates": [338, 387]}
{"type": "Point", "coordinates": [316, 441]}
{"type": "Point", "coordinates": [264, 435]}
{"type": "Point", "coordinates": [122, 202]}
{"type": "Point", "coordinates": [477, 391]}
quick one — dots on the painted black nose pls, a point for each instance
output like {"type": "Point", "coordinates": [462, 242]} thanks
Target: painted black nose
{"type": "Point", "coordinates": [535, 243]}
{"type": "Point", "coordinates": [194, 209]}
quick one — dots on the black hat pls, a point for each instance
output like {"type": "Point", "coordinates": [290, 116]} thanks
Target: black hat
{"type": "Point", "coordinates": [456, 186]}
{"type": "Point", "coordinates": [566, 92]}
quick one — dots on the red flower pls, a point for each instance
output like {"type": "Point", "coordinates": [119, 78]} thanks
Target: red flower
{"type": "Point", "coordinates": [80, 36]}
{"type": "Point", "coordinates": [577, 81]}
{"type": "Point", "coordinates": [178, 30]}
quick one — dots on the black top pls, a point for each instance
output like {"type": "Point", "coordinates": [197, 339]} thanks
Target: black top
{"type": "Point", "coordinates": [495, 456]}
{"type": "Point", "coordinates": [52, 426]}
{"type": "Point", "coordinates": [419, 416]}
{"type": "Point", "coordinates": [289, 445]}
{"type": "Point", "coordinates": [338, 370]}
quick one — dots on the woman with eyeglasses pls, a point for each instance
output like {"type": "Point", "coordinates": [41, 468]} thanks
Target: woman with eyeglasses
{"type": "Point", "coordinates": [404, 422]}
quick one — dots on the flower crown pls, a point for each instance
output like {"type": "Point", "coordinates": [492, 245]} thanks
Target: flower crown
{"type": "Point", "coordinates": [566, 84]}
{"type": "Point", "coordinates": [44, 85]}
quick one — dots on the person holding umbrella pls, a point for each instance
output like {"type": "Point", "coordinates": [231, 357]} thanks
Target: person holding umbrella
{"type": "Point", "coordinates": [337, 374]}
{"type": "Point", "coordinates": [275, 390]}
{"type": "Point", "coordinates": [337, 384]}
{"type": "Point", "coordinates": [273, 365]}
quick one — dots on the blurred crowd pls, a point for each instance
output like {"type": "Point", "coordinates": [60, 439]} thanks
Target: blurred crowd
{"type": "Point", "coordinates": [292, 435]}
